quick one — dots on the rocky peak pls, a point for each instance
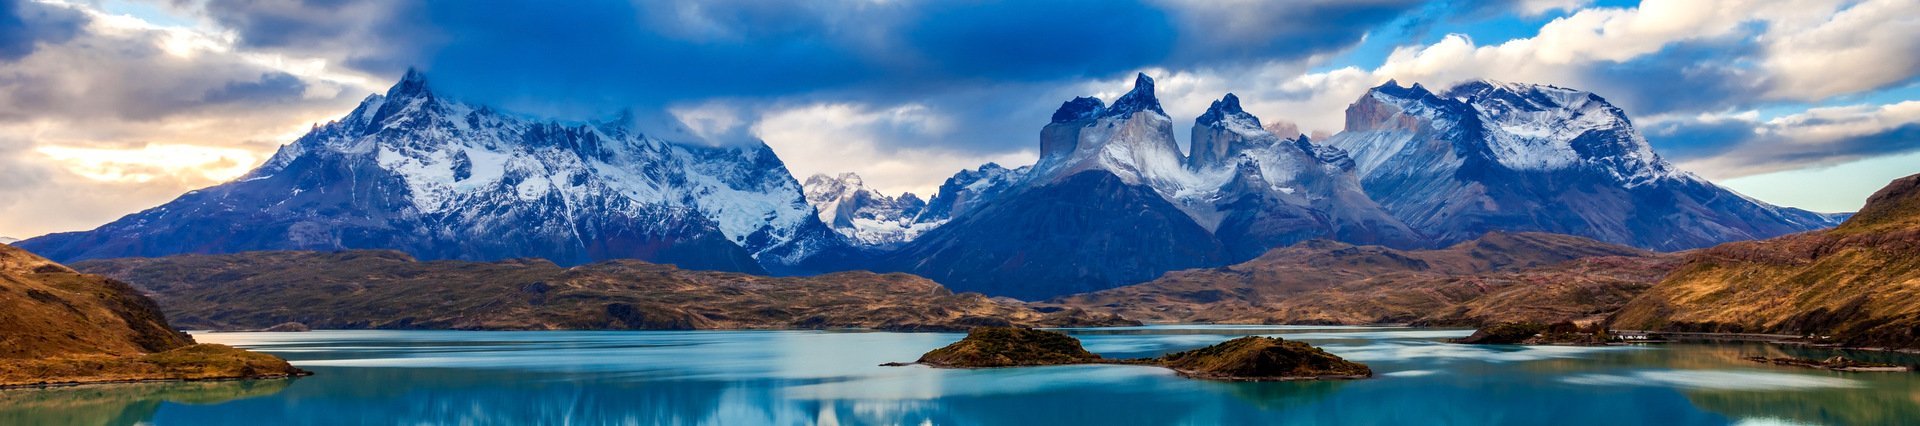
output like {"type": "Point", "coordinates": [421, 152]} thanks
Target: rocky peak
{"type": "Point", "coordinates": [863, 215]}
{"type": "Point", "coordinates": [414, 83]}
{"type": "Point", "coordinates": [1227, 108]}
{"type": "Point", "coordinates": [1080, 108]}
{"type": "Point", "coordinates": [1141, 98]}
{"type": "Point", "coordinates": [1224, 131]}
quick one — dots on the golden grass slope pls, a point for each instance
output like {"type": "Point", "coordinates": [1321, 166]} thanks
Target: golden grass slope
{"type": "Point", "coordinates": [1857, 284]}
{"type": "Point", "coordinates": [62, 326]}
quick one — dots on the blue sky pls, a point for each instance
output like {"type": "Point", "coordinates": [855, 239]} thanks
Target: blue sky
{"type": "Point", "coordinates": [111, 106]}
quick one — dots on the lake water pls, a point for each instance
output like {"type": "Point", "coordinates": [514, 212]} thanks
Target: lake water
{"type": "Point", "coordinates": [826, 377]}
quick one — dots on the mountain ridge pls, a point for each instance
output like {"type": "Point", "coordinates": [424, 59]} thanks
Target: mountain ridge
{"type": "Point", "coordinates": [416, 171]}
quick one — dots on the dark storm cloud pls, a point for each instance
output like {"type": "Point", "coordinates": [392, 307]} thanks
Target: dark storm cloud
{"type": "Point", "coordinates": [272, 86]}
{"type": "Point", "coordinates": [596, 55]}
{"type": "Point", "coordinates": [1692, 76]}
{"type": "Point", "coordinates": [1217, 33]}
{"type": "Point", "coordinates": [1749, 147]}
{"type": "Point", "coordinates": [1683, 140]}
{"type": "Point", "coordinates": [25, 25]}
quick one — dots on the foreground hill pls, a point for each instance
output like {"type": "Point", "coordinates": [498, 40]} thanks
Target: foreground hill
{"type": "Point", "coordinates": [1499, 277]}
{"type": "Point", "coordinates": [1858, 283]}
{"type": "Point", "coordinates": [59, 326]}
{"type": "Point", "coordinates": [390, 290]}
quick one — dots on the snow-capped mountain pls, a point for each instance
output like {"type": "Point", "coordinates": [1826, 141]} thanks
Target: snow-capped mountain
{"type": "Point", "coordinates": [1111, 183]}
{"type": "Point", "coordinates": [969, 189]}
{"type": "Point", "coordinates": [1490, 156]}
{"type": "Point", "coordinates": [442, 179]}
{"type": "Point", "coordinates": [866, 217]}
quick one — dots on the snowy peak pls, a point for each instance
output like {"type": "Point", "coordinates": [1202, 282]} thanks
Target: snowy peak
{"type": "Point", "coordinates": [1542, 127]}
{"type": "Point", "coordinates": [865, 216]}
{"type": "Point", "coordinates": [1139, 99]}
{"type": "Point", "coordinates": [1527, 157]}
{"type": "Point", "coordinates": [1516, 126]}
{"type": "Point", "coordinates": [1138, 148]}
{"type": "Point", "coordinates": [969, 189]}
{"type": "Point", "coordinates": [1227, 109]}
{"type": "Point", "coordinates": [1223, 132]}
{"type": "Point", "coordinates": [416, 171]}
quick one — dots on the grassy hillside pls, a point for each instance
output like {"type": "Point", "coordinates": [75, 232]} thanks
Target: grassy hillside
{"type": "Point", "coordinates": [1858, 284]}
{"type": "Point", "coordinates": [390, 290]}
{"type": "Point", "coordinates": [1501, 277]}
{"type": "Point", "coordinates": [58, 325]}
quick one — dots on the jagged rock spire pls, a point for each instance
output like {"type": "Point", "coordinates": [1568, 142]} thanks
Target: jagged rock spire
{"type": "Point", "coordinates": [1139, 99]}
{"type": "Point", "coordinates": [1228, 106]}
{"type": "Point", "coordinates": [413, 83]}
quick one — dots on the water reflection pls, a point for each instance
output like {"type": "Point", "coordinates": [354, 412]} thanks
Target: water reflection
{"type": "Point", "coordinates": [120, 404]}
{"type": "Point", "coordinates": [776, 377]}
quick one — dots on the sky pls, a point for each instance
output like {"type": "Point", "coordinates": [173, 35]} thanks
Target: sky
{"type": "Point", "coordinates": [108, 107]}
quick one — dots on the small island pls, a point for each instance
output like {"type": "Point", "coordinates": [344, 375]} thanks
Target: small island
{"type": "Point", "coordinates": [1533, 333]}
{"type": "Point", "coordinates": [1251, 358]}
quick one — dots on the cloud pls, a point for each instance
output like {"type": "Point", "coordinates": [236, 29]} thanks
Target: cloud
{"type": "Point", "coordinates": [1867, 46]}
{"type": "Point", "coordinates": [123, 114]}
{"type": "Point", "coordinates": [1743, 146]}
{"type": "Point", "coordinates": [829, 138]}
{"type": "Point", "coordinates": [24, 25]}
{"type": "Point", "coordinates": [1217, 33]}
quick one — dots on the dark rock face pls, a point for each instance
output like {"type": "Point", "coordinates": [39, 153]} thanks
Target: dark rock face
{"type": "Point", "coordinates": [1009, 347]}
{"type": "Point", "coordinates": [439, 179]}
{"type": "Point", "coordinates": [1086, 233]}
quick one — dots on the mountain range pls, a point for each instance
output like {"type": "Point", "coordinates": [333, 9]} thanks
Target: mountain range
{"type": "Point", "coordinates": [416, 171]}
{"type": "Point", "coordinates": [1112, 200]}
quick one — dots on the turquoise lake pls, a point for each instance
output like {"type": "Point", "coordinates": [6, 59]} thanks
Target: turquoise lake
{"type": "Point", "coordinates": [834, 377]}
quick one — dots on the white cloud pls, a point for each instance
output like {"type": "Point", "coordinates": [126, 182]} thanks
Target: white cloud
{"type": "Point", "coordinates": [833, 138]}
{"type": "Point", "coordinates": [1815, 138]}
{"type": "Point", "coordinates": [128, 113]}
{"type": "Point", "coordinates": [1864, 47]}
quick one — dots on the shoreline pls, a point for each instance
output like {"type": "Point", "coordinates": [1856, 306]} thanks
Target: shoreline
{"type": "Point", "coordinates": [1778, 339]}
{"type": "Point", "coordinates": [69, 384]}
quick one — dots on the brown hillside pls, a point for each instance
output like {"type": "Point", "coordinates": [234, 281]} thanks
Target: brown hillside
{"type": "Point", "coordinates": [390, 290]}
{"type": "Point", "coordinates": [1501, 277]}
{"type": "Point", "coordinates": [1858, 284]}
{"type": "Point", "coordinates": [58, 325]}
